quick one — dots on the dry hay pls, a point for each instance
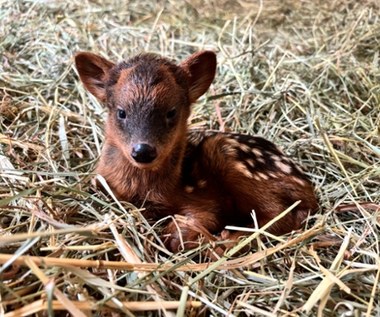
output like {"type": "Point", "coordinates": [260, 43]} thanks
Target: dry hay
{"type": "Point", "coordinates": [303, 74]}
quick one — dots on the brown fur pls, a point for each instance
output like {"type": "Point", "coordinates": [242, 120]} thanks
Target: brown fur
{"type": "Point", "coordinates": [212, 179]}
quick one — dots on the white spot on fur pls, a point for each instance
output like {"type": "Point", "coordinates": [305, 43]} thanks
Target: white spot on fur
{"type": "Point", "coordinates": [299, 181]}
{"type": "Point", "coordinates": [261, 160]}
{"type": "Point", "coordinates": [233, 142]}
{"type": "Point", "coordinates": [285, 168]}
{"type": "Point", "coordinates": [189, 189]}
{"type": "Point", "coordinates": [251, 163]}
{"type": "Point", "coordinates": [257, 152]}
{"type": "Point", "coordinates": [239, 166]}
{"type": "Point", "coordinates": [202, 183]}
{"type": "Point", "coordinates": [245, 148]}
{"type": "Point", "coordinates": [273, 175]}
{"type": "Point", "coordinates": [263, 176]}
{"type": "Point", "coordinates": [275, 158]}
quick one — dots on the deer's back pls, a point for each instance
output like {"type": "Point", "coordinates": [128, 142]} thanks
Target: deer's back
{"type": "Point", "coordinates": [239, 174]}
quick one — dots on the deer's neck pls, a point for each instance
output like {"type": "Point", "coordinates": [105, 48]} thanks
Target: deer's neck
{"type": "Point", "coordinates": [134, 184]}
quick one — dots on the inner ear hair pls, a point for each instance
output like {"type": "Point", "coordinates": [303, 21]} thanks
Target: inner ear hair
{"type": "Point", "coordinates": [93, 71]}
{"type": "Point", "coordinates": [201, 68]}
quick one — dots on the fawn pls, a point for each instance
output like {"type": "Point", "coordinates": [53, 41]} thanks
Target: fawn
{"type": "Point", "coordinates": [151, 158]}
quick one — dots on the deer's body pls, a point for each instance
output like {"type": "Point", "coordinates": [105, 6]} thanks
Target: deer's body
{"type": "Point", "coordinates": [213, 179]}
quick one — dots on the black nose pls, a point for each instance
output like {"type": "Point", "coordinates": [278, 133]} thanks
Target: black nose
{"type": "Point", "coordinates": [144, 153]}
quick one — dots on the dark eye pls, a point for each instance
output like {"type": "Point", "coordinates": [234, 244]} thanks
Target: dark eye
{"type": "Point", "coordinates": [171, 113]}
{"type": "Point", "coordinates": [121, 114]}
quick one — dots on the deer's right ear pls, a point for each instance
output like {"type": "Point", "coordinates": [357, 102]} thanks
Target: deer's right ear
{"type": "Point", "coordinates": [94, 72]}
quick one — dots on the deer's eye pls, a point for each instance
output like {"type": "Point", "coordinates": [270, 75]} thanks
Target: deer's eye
{"type": "Point", "coordinates": [171, 113]}
{"type": "Point", "coordinates": [121, 114]}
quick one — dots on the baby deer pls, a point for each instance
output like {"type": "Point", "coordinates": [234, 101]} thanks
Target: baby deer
{"type": "Point", "coordinates": [150, 158]}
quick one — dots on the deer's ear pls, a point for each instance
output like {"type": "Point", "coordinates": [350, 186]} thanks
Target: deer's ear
{"type": "Point", "coordinates": [201, 69]}
{"type": "Point", "coordinates": [94, 72]}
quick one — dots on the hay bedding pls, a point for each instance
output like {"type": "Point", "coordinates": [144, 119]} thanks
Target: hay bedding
{"type": "Point", "coordinates": [303, 74]}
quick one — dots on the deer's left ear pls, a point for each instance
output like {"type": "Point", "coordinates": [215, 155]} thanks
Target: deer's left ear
{"type": "Point", "coordinates": [200, 68]}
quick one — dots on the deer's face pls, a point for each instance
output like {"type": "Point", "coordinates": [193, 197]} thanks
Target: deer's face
{"type": "Point", "coordinates": [149, 100]}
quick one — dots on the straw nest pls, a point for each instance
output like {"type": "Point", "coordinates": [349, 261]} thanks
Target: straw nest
{"type": "Point", "coordinates": [302, 74]}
